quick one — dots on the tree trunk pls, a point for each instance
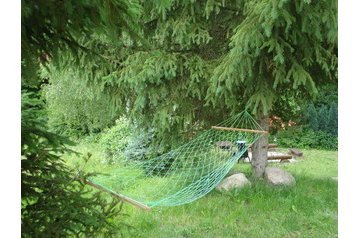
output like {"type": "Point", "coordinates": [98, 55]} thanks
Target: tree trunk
{"type": "Point", "coordinates": [259, 149]}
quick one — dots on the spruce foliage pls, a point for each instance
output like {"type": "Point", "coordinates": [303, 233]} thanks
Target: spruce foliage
{"type": "Point", "coordinates": [192, 63]}
{"type": "Point", "coordinates": [279, 45]}
{"type": "Point", "coordinates": [312, 117]}
{"type": "Point", "coordinates": [323, 118]}
{"type": "Point", "coordinates": [209, 58]}
{"type": "Point", "coordinates": [53, 202]}
{"type": "Point", "coordinates": [49, 28]}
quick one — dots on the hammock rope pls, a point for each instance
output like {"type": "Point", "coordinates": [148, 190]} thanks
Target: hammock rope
{"type": "Point", "coordinates": [187, 173]}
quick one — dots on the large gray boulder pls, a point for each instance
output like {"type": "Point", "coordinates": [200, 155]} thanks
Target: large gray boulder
{"type": "Point", "coordinates": [277, 176]}
{"type": "Point", "coordinates": [237, 181]}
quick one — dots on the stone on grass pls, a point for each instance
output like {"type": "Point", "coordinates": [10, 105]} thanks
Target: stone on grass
{"type": "Point", "coordinates": [277, 176]}
{"type": "Point", "coordinates": [232, 172]}
{"type": "Point", "coordinates": [237, 181]}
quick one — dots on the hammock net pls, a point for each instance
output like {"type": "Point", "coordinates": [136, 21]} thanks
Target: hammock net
{"type": "Point", "coordinates": [188, 172]}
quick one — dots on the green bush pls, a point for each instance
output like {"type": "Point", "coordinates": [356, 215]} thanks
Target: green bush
{"type": "Point", "coordinates": [302, 137]}
{"type": "Point", "coordinates": [140, 145]}
{"type": "Point", "coordinates": [115, 140]}
{"type": "Point", "coordinates": [126, 141]}
{"type": "Point", "coordinates": [323, 118]}
{"type": "Point", "coordinates": [75, 108]}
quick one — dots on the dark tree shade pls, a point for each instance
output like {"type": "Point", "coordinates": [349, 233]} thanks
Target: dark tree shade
{"type": "Point", "coordinates": [53, 202]}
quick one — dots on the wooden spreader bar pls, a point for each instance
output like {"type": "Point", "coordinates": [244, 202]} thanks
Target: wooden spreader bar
{"type": "Point", "coordinates": [117, 195]}
{"type": "Point", "coordinates": [237, 129]}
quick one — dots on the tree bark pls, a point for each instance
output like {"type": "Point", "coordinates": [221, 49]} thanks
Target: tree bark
{"type": "Point", "coordinates": [259, 149]}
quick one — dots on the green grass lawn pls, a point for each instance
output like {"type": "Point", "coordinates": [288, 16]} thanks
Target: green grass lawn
{"type": "Point", "coordinates": [309, 209]}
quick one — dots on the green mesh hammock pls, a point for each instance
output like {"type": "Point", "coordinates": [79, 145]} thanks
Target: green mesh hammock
{"type": "Point", "coordinates": [185, 174]}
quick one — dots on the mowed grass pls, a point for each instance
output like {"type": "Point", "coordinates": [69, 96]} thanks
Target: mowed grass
{"type": "Point", "coordinates": [309, 209]}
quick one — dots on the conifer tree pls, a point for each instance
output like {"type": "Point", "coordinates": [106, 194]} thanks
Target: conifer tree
{"type": "Point", "coordinates": [332, 124]}
{"type": "Point", "coordinates": [312, 117]}
{"type": "Point", "coordinates": [199, 60]}
{"type": "Point", "coordinates": [211, 58]}
{"type": "Point", "coordinates": [53, 202]}
{"type": "Point", "coordinates": [322, 117]}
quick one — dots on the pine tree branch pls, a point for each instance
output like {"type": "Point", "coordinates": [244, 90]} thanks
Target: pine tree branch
{"type": "Point", "coordinates": [73, 43]}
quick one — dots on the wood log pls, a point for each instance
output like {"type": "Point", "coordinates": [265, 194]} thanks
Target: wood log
{"type": "Point", "coordinates": [296, 152]}
{"type": "Point", "coordinates": [279, 157]}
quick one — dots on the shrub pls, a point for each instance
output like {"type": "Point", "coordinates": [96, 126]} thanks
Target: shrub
{"type": "Point", "coordinates": [115, 140]}
{"type": "Point", "coordinates": [75, 108]}
{"type": "Point", "coordinates": [140, 145]}
{"type": "Point", "coordinates": [323, 118]}
{"type": "Point", "coordinates": [125, 141]}
{"type": "Point", "coordinates": [302, 137]}
{"type": "Point", "coordinates": [332, 124]}
{"type": "Point", "coordinates": [312, 117]}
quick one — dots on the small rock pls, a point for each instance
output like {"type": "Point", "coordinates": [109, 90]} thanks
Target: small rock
{"type": "Point", "coordinates": [237, 180]}
{"type": "Point", "coordinates": [277, 176]}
